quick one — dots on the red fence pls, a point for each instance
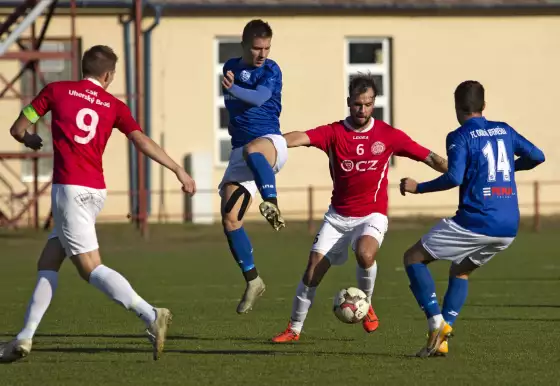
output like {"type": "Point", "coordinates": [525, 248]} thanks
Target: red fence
{"type": "Point", "coordinates": [535, 200]}
{"type": "Point", "coordinates": [531, 203]}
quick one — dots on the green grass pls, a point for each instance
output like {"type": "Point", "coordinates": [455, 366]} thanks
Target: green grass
{"type": "Point", "coordinates": [508, 332]}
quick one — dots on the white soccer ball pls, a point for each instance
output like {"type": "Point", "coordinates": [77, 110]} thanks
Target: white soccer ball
{"type": "Point", "coordinates": [350, 305]}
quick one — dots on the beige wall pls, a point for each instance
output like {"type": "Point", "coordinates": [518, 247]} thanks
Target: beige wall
{"type": "Point", "coordinates": [516, 58]}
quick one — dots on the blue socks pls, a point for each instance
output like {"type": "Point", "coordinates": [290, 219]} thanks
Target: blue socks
{"type": "Point", "coordinates": [454, 299]}
{"type": "Point", "coordinates": [424, 289]}
{"type": "Point", "coordinates": [242, 251]}
{"type": "Point", "coordinates": [264, 175]}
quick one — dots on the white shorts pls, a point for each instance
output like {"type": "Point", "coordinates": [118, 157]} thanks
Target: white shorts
{"type": "Point", "coordinates": [74, 210]}
{"type": "Point", "coordinates": [339, 232]}
{"type": "Point", "coordinates": [238, 171]}
{"type": "Point", "coordinates": [449, 241]}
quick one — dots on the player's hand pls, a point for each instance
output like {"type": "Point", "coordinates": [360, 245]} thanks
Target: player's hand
{"type": "Point", "coordinates": [189, 186]}
{"type": "Point", "coordinates": [408, 185]}
{"type": "Point", "coordinates": [228, 80]}
{"type": "Point", "coordinates": [32, 141]}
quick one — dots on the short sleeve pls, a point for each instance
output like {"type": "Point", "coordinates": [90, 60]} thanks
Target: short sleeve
{"type": "Point", "coordinates": [124, 121]}
{"type": "Point", "coordinates": [40, 105]}
{"type": "Point", "coordinates": [321, 137]}
{"type": "Point", "coordinates": [404, 146]}
{"type": "Point", "coordinates": [271, 78]}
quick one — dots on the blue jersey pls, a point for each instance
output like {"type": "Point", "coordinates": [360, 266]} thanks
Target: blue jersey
{"type": "Point", "coordinates": [481, 155]}
{"type": "Point", "coordinates": [248, 121]}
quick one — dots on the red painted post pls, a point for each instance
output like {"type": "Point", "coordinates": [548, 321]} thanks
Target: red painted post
{"type": "Point", "coordinates": [536, 207]}
{"type": "Point", "coordinates": [310, 225]}
{"type": "Point", "coordinates": [139, 76]}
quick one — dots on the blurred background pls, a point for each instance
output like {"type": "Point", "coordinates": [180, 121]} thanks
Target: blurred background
{"type": "Point", "coordinates": [169, 72]}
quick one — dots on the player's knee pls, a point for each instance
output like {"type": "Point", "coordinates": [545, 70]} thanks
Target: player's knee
{"type": "Point", "coordinates": [231, 223]}
{"type": "Point", "coordinates": [255, 146]}
{"type": "Point", "coordinates": [365, 258]}
{"type": "Point", "coordinates": [409, 257]}
{"type": "Point", "coordinates": [263, 146]}
{"type": "Point", "coordinates": [462, 270]}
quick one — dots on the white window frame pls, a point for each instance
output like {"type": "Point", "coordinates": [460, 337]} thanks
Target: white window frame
{"type": "Point", "coordinates": [383, 69]}
{"type": "Point", "coordinates": [219, 134]}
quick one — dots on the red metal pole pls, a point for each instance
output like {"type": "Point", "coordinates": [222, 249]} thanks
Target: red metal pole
{"type": "Point", "coordinates": [74, 41]}
{"type": "Point", "coordinates": [310, 225]}
{"type": "Point", "coordinates": [35, 160]}
{"type": "Point", "coordinates": [536, 207]}
{"type": "Point", "coordinates": [139, 75]}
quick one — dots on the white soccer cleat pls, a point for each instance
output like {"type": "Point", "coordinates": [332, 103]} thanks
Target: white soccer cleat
{"type": "Point", "coordinates": [15, 350]}
{"type": "Point", "coordinates": [272, 214]}
{"type": "Point", "coordinates": [157, 332]}
{"type": "Point", "coordinates": [254, 289]}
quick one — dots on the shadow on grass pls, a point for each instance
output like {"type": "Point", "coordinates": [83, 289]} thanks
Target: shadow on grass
{"type": "Point", "coordinates": [516, 305]}
{"type": "Point", "coordinates": [174, 337]}
{"type": "Point", "coordinates": [129, 350]}
{"type": "Point", "coordinates": [504, 319]}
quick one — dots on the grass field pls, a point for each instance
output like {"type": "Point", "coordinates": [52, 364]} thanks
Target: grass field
{"type": "Point", "coordinates": [508, 332]}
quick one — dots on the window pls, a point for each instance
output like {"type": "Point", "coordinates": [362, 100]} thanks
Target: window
{"type": "Point", "coordinates": [226, 48]}
{"type": "Point", "coordinates": [372, 55]}
{"type": "Point", "coordinates": [51, 70]}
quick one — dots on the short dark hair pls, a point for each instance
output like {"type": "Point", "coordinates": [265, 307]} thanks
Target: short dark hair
{"type": "Point", "coordinates": [256, 29]}
{"type": "Point", "coordinates": [469, 97]}
{"type": "Point", "coordinates": [360, 83]}
{"type": "Point", "coordinates": [98, 60]}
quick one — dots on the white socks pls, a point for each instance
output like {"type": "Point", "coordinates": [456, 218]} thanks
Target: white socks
{"type": "Point", "coordinates": [114, 285]}
{"type": "Point", "coordinates": [39, 303]}
{"type": "Point", "coordinates": [435, 321]}
{"type": "Point", "coordinates": [300, 307]}
{"type": "Point", "coordinates": [366, 279]}
{"type": "Point", "coordinates": [305, 295]}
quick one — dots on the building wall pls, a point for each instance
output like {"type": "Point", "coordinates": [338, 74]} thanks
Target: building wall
{"type": "Point", "coordinates": [516, 58]}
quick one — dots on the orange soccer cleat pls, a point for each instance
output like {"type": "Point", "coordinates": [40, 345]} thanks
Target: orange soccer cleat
{"type": "Point", "coordinates": [288, 335]}
{"type": "Point", "coordinates": [371, 322]}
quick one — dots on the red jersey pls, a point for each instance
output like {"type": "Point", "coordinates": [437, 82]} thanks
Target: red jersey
{"type": "Point", "coordinates": [359, 163]}
{"type": "Point", "coordinates": [83, 118]}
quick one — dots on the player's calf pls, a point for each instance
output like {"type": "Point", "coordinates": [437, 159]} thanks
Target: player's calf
{"type": "Point", "coordinates": [112, 284]}
{"type": "Point", "coordinates": [366, 273]}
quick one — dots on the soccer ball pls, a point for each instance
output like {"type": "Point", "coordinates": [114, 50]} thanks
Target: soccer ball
{"type": "Point", "coordinates": [350, 305]}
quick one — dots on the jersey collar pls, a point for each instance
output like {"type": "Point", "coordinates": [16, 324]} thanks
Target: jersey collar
{"type": "Point", "coordinates": [94, 81]}
{"type": "Point", "coordinates": [349, 126]}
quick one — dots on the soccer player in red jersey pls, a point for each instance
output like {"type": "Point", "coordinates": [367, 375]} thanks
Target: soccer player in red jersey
{"type": "Point", "coordinates": [83, 117]}
{"type": "Point", "coordinates": [359, 149]}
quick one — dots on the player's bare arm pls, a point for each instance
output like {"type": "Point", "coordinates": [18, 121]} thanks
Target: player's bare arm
{"type": "Point", "coordinates": [452, 177]}
{"type": "Point", "coordinates": [20, 133]}
{"type": "Point", "coordinates": [147, 146]}
{"type": "Point", "coordinates": [436, 162]}
{"type": "Point", "coordinates": [297, 138]}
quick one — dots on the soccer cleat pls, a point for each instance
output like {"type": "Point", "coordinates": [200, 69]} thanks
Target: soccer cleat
{"type": "Point", "coordinates": [15, 350]}
{"type": "Point", "coordinates": [443, 348]}
{"type": "Point", "coordinates": [157, 331]}
{"type": "Point", "coordinates": [371, 321]}
{"type": "Point", "coordinates": [254, 289]}
{"type": "Point", "coordinates": [435, 339]}
{"type": "Point", "coordinates": [272, 214]}
{"type": "Point", "coordinates": [288, 335]}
